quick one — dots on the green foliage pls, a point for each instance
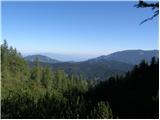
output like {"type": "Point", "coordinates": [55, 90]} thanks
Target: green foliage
{"type": "Point", "coordinates": [13, 66]}
{"type": "Point", "coordinates": [47, 77]}
{"type": "Point", "coordinates": [40, 92]}
{"type": "Point", "coordinates": [36, 72]}
{"type": "Point", "coordinates": [14, 69]}
{"type": "Point", "coordinates": [102, 111]}
{"type": "Point", "coordinates": [133, 95]}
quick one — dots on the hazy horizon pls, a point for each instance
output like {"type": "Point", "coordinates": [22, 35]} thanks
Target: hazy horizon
{"type": "Point", "coordinates": [71, 57]}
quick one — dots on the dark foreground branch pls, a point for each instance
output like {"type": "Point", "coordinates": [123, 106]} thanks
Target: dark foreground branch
{"type": "Point", "coordinates": [154, 6]}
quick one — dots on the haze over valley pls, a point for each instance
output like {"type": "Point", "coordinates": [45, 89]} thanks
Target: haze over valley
{"type": "Point", "coordinates": [80, 59]}
{"type": "Point", "coordinates": [98, 68]}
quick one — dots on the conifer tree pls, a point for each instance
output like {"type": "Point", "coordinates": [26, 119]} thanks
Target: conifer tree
{"type": "Point", "coordinates": [36, 73]}
{"type": "Point", "coordinates": [47, 77]}
{"type": "Point", "coordinates": [102, 111]}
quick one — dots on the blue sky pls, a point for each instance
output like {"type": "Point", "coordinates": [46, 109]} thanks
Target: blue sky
{"type": "Point", "coordinates": [91, 28]}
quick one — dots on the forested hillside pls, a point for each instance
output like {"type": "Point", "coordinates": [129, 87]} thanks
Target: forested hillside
{"type": "Point", "coordinates": [41, 58]}
{"type": "Point", "coordinates": [40, 92]}
{"type": "Point", "coordinates": [132, 57]}
{"type": "Point", "coordinates": [99, 68]}
{"type": "Point", "coordinates": [90, 70]}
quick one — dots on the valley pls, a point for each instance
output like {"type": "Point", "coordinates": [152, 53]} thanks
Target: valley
{"type": "Point", "coordinates": [99, 68]}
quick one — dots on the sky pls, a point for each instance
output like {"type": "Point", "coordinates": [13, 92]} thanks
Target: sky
{"type": "Point", "coordinates": [80, 28]}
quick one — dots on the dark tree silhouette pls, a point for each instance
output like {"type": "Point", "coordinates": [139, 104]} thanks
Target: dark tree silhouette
{"type": "Point", "coordinates": [154, 6]}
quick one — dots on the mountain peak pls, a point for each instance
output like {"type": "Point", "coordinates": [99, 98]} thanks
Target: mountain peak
{"type": "Point", "coordinates": [41, 58]}
{"type": "Point", "coordinates": [130, 56]}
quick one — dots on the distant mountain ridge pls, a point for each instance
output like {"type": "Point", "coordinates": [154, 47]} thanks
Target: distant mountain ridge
{"type": "Point", "coordinates": [90, 70]}
{"type": "Point", "coordinates": [41, 58]}
{"type": "Point", "coordinates": [129, 56]}
{"type": "Point", "coordinates": [63, 57]}
{"type": "Point", "coordinates": [99, 68]}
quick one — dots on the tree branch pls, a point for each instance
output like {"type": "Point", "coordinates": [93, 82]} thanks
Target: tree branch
{"type": "Point", "coordinates": [154, 6]}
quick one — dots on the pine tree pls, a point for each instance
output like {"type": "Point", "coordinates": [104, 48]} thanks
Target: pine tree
{"type": "Point", "coordinates": [47, 77]}
{"type": "Point", "coordinates": [36, 73]}
{"type": "Point", "coordinates": [102, 111]}
{"type": "Point", "coordinates": [60, 80]}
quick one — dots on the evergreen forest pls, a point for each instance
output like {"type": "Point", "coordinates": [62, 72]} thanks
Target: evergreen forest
{"type": "Point", "coordinates": [40, 92]}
